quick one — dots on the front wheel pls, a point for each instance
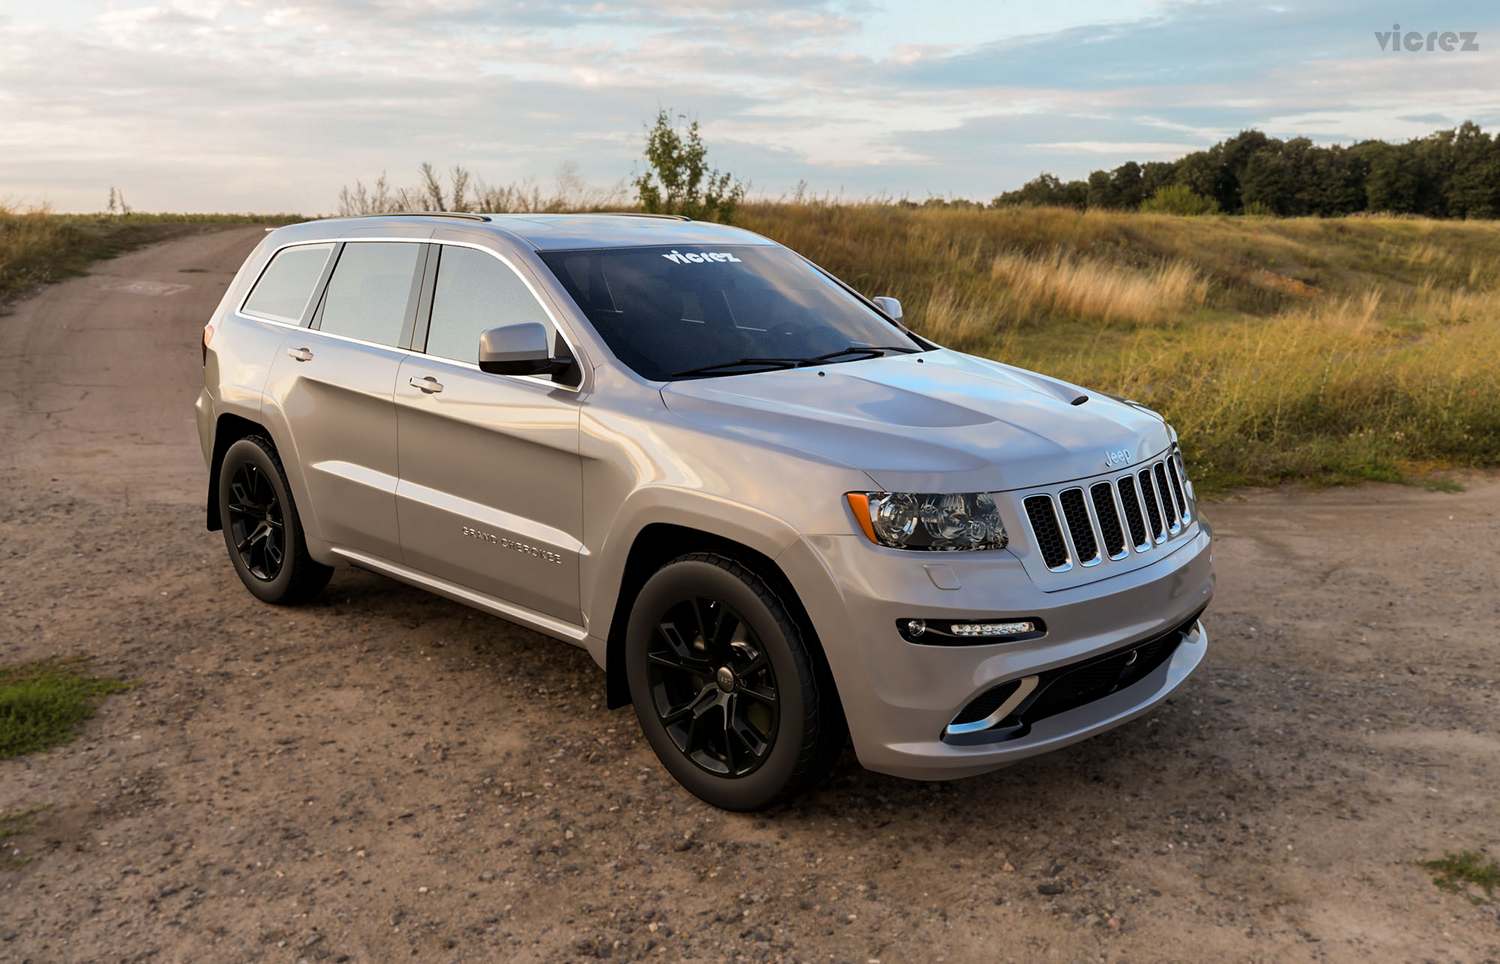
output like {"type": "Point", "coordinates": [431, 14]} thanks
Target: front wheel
{"type": "Point", "coordinates": [724, 685]}
{"type": "Point", "coordinates": [261, 529]}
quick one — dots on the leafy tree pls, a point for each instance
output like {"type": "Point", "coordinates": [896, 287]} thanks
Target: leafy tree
{"type": "Point", "coordinates": [1179, 199]}
{"type": "Point", "coordinates": [1047, 189]}
{"type": "Point", "coordinates": [678, 179]}
{"type": "Point", "coordinates": [1473, 190]}
{"type": "Point", "coordinates": [1395, 184]}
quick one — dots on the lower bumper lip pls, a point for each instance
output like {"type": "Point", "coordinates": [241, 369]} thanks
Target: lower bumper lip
{"type": "Point", "coordinates": [1071, 686]}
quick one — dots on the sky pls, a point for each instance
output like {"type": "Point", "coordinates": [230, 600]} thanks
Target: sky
{"type": "Point", "coordinates": [260, 105]}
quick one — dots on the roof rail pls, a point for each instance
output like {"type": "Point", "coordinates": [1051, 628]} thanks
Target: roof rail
{"type": "Point", "coordinates": [644, 214]}
{"type": "Point", "coordinates": [465, 215]}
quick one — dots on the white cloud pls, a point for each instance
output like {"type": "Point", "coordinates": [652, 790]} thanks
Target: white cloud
{"type": "Point", "coordinates": [247, 104]}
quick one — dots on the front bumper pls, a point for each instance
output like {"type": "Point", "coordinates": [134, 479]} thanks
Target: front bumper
{"type": "Point", "coordinates": [899, 697]}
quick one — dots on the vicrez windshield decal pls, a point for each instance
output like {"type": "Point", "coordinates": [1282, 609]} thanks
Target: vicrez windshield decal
{"type": "Point", "coordinates": [696, 258]}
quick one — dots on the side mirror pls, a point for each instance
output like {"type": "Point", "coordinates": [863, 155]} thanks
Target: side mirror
{"type": "Point", "coordinates": [889, 305]}
{"type": "Point", "coordinates": [519, 349]}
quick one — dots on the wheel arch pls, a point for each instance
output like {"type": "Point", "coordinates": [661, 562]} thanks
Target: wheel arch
{"type": "Point", "coordinates": [228, 429]}
{"type": "Point", "coordinates": [658, 543]}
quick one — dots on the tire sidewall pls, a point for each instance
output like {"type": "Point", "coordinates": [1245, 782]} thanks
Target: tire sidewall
{"type": "Point", "coordinates": [247, 450]}
{"type": "Point", "coordinates": [796, 696]}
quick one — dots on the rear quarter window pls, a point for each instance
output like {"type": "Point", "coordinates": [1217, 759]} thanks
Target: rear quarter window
{"type": "Point", "coordinates": [286, 286]}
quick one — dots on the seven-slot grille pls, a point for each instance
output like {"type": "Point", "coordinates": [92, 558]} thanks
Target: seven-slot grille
{"type": "Point", "coordinates": [1085, 524]}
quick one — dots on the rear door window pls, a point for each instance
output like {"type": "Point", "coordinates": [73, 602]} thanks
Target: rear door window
{"type": "Point", "coordinates": [370, 293]}
{"type": "Point", "coordinates": [475, 291]}
{"type": "Point", "coordinates": [287, 284]}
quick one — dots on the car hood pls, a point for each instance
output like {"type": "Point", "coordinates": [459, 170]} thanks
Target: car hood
{"type": "Point", "coordinates": [937, 421]}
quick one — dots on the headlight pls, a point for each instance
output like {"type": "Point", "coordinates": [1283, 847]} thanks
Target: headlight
{"type": "Point", "coordinates": [909, 520]}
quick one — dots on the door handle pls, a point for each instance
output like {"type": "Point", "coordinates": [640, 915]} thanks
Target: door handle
{"type": "Point", "coordinates": [300, 354]}
{"type": "Point", "coordinates": [428, 384]}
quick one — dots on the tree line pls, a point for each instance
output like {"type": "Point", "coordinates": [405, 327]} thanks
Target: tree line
{"type": "Point", "coordinates": [1447, 174]}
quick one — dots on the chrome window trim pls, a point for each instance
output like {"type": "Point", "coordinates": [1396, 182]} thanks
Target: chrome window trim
{"type": "Point", "coordinates": [557, 325]}
{"type": "Point", "coordinates": [278, 319]}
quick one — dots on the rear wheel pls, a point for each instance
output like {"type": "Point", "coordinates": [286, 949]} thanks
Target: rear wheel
{"type": "Point", "coordinates": [261, 528]}
{"type": "Point", "coordinates": [724, 685]}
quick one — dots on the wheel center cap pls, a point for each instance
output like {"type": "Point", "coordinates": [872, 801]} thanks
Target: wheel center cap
{"type": "Point", "coordinates": [725, 678]}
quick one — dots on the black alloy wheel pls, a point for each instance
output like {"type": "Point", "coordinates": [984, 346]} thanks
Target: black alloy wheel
{"type": "Point", "coordinates": [713, 687]}
{"type": "Point", "coordinates": [257, 524]}
{"type": "Point", "coordinates": [733, 701]}
{"type": "Point", "coordinates": [262, 530]}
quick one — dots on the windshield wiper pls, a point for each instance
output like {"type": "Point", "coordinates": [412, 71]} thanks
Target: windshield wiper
{"type": "Point", "coordinates": [740, 363]}
{"type": "Point", "coordinates": [866, 350]}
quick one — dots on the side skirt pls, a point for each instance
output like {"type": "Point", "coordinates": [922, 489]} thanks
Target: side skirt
{"type": "Point", "coordinates": [542, 623]}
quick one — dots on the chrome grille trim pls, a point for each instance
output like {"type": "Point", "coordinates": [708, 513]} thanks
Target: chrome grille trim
{"type": "Point", "coordinates": [1111, 504]}
{"type": "Point", "coordinates": [1056, 531]}
{"type": "Point", "coordinates": [1163, 510]}
{"type": "Point", "coordinates": [1135, 513]}
{"type": "Point", "coordinates": [1084, 521]}
{"type": "Point", "coordinates": [1159, 476]}
{"type": "Point", "coordinates": [1179, 488]}
{"type": "Point", "coordinates": [1156, 522]}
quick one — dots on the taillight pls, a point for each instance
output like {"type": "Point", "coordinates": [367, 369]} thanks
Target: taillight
{"type": "Point", "coordinates": [208, 336]}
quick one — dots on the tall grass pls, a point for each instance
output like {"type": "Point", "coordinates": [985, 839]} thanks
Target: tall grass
{"type": "Point", "coordinates": [1332, 350]}
{"type": "Point", "coordinates": [37, 246]}
{"type": "Point", "coordinates": [1327, 349]}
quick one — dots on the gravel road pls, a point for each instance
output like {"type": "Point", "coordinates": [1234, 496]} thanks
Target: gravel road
{"type": "Point", "coordinates": [387, 775]}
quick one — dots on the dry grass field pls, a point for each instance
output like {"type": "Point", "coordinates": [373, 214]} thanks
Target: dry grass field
{"type": "Point", "coordinates": [1320, 349]}
{"type": "Point", "coordinates": [1326, 350]}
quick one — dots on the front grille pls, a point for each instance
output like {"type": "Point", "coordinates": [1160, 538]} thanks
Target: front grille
{"type": "Point", "coordinates": [1103, 495]}
{"type": "Point", "coordinates": [1167, 502]}
{"type": "Point", "coordinates": [1131, 500]}
{"type": "Point", "coordinates": [1153, 507]}
{"type": "Point", "coordinates": [1084, 528]}
{"type": "Point", "coordinates": [1079, 526]}
{"type": "Point", "coordinates": [1174, 469]}
{"type": "Point", "coordinates": [1046, 531]}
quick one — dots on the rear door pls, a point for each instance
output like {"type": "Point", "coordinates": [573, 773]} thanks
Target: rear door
{"type": "Point", "coordinates": [334, 383]}
{"type": "Point", "coordinates": [491, 488]}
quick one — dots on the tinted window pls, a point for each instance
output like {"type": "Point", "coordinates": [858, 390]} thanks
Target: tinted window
{"type": "Point", "coordinates": [664, 311]}
{"type": "Point", "coordinates": [475, 291]}
{"type": "Point", "coordinates": [368, 294]}
{"type": "Point", "coordinates": [288, 281]}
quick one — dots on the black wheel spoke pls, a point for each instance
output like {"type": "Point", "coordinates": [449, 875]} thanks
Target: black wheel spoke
{"type": "Point", "coordinates": [729, 736]}
{"type": "Point", "coordinates": [713, 687]}
{"type": "Point", "coordinates": [685, 664]}
{"type": "Point", "coordinates": [767, 696]}
{"type": "Point", "coordinates": [255, 522]}
{"type": "Point", "coordinates": [724, 629]}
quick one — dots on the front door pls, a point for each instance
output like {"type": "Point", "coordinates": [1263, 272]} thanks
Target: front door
{"type": "Point", "coordinates": [491, 489]}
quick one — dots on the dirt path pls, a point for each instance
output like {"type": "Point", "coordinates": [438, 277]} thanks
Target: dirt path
{"type": "Point", "coordinates": [387, 775]}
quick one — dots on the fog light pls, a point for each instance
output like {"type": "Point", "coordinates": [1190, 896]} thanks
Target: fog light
{"type": "Point", "coordinates": [1013, 628]}
{"type": "Point", "coordinates": [943, 632]}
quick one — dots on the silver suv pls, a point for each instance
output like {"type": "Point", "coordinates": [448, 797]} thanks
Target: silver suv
{"type": "Point", "coordinates": [777, 518]}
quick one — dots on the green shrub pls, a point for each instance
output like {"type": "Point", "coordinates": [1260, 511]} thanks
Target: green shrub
{"type": "Point", "coordinates": [1179, 199]}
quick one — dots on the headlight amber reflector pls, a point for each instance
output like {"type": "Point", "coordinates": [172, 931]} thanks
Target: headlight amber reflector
{"type": "Point", "coordinates": [935, 522]}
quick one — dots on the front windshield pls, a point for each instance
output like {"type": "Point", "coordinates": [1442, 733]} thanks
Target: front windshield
{"type": "Point", "coordinates": [697, 310]}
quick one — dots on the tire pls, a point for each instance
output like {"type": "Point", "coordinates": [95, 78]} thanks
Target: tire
{"type": "Point", "coordinates": [708, 641]}
{"type": "Point", "coordinates": [261, 528]}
